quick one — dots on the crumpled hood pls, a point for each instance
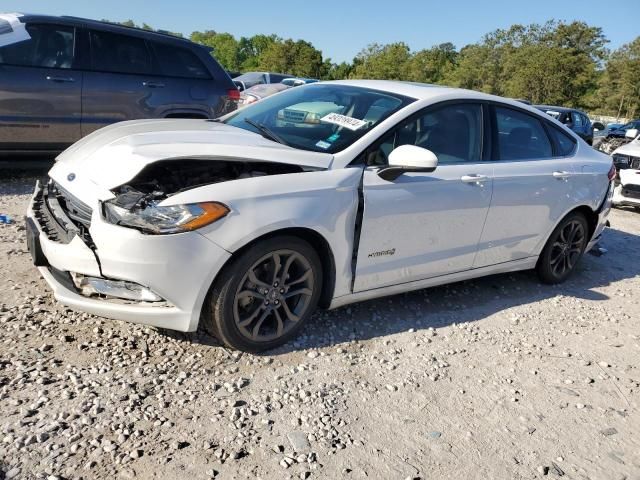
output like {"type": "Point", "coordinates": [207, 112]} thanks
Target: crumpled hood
{"type": "Point", "coordinates": [113, 155]}
{"type": "Point", "coordinates": [632, 148]}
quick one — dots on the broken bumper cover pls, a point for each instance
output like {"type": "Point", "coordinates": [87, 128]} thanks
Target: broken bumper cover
{"type": "Point", "coordinates": [178, 268]}
{"type": "Point", "coordinates": [603, 213]}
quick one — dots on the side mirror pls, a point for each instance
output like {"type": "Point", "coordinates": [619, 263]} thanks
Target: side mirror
{"type": "Point", "coordinates": [408, 158]}
{"type": "Point", "coordinates": [239, 85]}
{"type": "Point", "coordinates": [598, 126]}
{"type": "Point", "coordinates": [631, 133]}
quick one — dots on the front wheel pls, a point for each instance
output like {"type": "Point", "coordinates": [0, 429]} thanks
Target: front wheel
{"type": "Point", "coordinates": [563, 249]}
{"type": "Point", "coordinates": [264, 297]}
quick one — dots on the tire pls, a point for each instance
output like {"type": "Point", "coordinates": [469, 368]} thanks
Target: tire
{"type": "Point", "coordinates": [564, 249]}
{"type": "Point", "coordinates": [253, 310]}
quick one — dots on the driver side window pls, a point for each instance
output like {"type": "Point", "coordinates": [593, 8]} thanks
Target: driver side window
{"type": "Point", "coordinates": [452, 132]}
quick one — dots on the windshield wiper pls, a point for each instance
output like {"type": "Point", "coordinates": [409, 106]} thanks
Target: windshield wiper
{"type": "Point", "coordinates": [266, 132]}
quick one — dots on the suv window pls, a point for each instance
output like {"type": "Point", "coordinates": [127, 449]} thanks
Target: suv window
{"type": "Point", "coordinates": [50, 46]}
{"type": "Point", "coordinates": [179, 62]}
{"type": "Point", "coordinates": [577, 119]}
{"type": "Point", "coordinates": [452, 132]}
{"type": "Point", "coordinates": [521, 136]}
{"type": "Point", "coordinates": [564, 143]}
{"type": "Point", "coordinates": [112, 52]}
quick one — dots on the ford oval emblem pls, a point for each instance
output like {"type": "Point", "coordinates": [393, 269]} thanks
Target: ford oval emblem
{"type": "Point", "coordinates": [71, 177]}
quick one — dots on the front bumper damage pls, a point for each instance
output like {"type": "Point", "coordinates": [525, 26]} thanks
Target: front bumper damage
{"type": "Point", "coordinates": [627, 193]}
{"type": "Point", "coordinates": [99, 268]}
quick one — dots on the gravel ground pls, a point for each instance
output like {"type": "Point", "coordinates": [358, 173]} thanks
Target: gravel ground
{"type": "Point", "coordinates": [498, 378]}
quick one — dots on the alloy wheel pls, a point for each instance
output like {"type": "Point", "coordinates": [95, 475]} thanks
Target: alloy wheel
{"type": "Point", "coordinates": [567, 248]}
{"type": "Point", "coordinates": [273, 295]}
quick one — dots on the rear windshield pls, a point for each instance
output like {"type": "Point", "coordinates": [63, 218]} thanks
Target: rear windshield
{"type": "Point", "coordinates": [320, 117]}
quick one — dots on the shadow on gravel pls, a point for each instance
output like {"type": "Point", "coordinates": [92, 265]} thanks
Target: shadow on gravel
{"type": "Point", "coordinates": [19, 174]}
{"type": "Point", "coordinates": [461, 302]}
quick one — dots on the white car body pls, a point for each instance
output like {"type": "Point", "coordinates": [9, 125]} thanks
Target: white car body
{"type": "Point", "coordinates": [407, 234]}
{"type": "Point", "coordinates": [627, 193]}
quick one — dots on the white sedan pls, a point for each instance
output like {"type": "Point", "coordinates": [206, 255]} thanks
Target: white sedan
{"type": "Point", "coordinates": [324, 194]}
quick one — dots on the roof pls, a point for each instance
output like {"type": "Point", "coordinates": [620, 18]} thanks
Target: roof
{"type": "Point", "coordinates": [426, 91]}
{"type": "Point", "coordinates": [102, 25]}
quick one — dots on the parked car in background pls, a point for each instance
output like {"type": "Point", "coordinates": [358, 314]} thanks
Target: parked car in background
{"type": "Point", "coordinates": [627, 161]}
{"type": "Point", "coordinates": [249, 79]}
{"type": "Point", "coordinates": [296, 82]}
{"type": "Point", "coordinates": [62, 78]}
{"type": "Point", "coordinates": [576, 120]}
{"type": "Point", "coordinates": [621, 131]}
{"type": "Point", "coordinates": [247, 224]}
{"type": "Point", "coordinates": [258, 92]}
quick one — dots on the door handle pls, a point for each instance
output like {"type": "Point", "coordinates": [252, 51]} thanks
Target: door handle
{"type": "Point", "coordinates": [53, 78]}
{"type": "Point", "coordinates": [474, 178]}
{"type": "Point", "coordinates": [153, 84]}
{"type": "Point", "coordinates": [561, 174]}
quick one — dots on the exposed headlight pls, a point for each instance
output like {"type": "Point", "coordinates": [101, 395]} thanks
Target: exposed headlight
{"type": "Point", "coordinates": [158, 220]}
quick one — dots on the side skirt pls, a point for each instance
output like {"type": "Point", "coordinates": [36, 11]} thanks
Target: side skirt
{"type": "Point", "coordinates": [515, 265]}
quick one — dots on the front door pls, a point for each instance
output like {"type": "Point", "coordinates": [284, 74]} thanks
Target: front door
{"type": "Point", "coordinates": [424, 225]}
{"type": "Point", "coordinates": [40, 91]}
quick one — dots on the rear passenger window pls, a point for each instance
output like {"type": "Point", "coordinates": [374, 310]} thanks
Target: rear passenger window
{"type": "Point", "coordinates": [50, 46]}
{"type": "Point", "coordinates": [111, 52]}
{"type": "Point", "coordinates": [179, 62]}
{"type": "Point", "coordinates": [521, 136]}
{"type": "Point", "coordinates": [564, 143]}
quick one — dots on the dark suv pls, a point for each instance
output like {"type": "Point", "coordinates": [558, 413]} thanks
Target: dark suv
{"type": "Point", "coordinates": [574, 119]}
{"type": "Point", "coordinates": [61, 78]}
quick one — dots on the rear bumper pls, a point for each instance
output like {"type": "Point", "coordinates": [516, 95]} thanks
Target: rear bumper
{"type": "Point", "coordinates": [179, 268]}
{"type": "Point", "coordinates": [603, 213]}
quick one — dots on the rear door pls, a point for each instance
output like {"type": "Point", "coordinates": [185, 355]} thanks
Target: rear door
{"type": "Point", "coordinates": [120, 84]}
{"type": "Point", "coordinates": [40, 89]}
{"type": "Point", "coordinates": [533, 180]}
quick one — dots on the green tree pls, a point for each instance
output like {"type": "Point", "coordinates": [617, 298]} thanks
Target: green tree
{"type": "Point", "coordinates": [387, 62]}
{"type": "Point", "coordinates": [225, 47]}
{"type": "Point", "coordinates": [298, 58]}
{"type": "Point", "coordinates": [619, 86]}
{"type": "Point", "coordinates": [434, 64]}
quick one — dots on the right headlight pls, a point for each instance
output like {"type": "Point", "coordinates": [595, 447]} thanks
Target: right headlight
{"type": "Point", "coordinates": [158, 220]}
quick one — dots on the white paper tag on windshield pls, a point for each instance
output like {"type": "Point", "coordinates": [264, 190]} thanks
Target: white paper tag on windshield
{"type": "Point", "coordinates": [12, 30]}
{"type": "Point", "coordinates": [344, 121]}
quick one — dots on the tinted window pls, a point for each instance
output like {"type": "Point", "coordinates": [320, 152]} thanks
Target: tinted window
{"type": "Point", "coordinates": [179, 62]}
{"type": "Point", "coordinates": [111, 52]}
{"type": "Point", "coordinates": [521, 136]}
{"type": "Point", "coordinates": [50, 46]}
{"type": "Point", "coordinates": [577, 119]}
{"type": "Point", "coordinates": [564, 143]}
{"type": "Point", "coordinates": [452, 132]}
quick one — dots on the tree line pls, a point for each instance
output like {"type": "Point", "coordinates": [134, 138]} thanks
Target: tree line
{"type": "Point", "coordinates": [554, 63]}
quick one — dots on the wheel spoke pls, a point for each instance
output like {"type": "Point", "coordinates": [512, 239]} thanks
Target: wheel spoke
{"type": "Point", "coordinates": [304, 277]}
{"type": "Point", "coordinates": [256, 328]}
{"type": "Point", "coordinates": [250, 293]}
{"type": "Point", "coordinates": [285, 269]}
{"type": "Point", "coordinates": [255, 280]}
{"type": "Point", "coordinates": [280, 327]}
{"type": "Point", "coordinates": [247, 321]}
{"type": "Point", "coordinates": [277, 264]}
{"type": "Point", "coordinates": [301, 291]}
{"type": "Point", "coordinates": [290, 315]}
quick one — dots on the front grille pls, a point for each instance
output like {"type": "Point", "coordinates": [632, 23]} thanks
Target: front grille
{"type": "Point", "coordinates": [626, 161]}
{"type": "Point", "coordinates": [294, 115]}
{"type": "Point", "coordinates": [77, 211]}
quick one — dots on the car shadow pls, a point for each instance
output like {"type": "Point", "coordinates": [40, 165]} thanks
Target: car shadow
{"type": "Point", "coordinates": [461, 302]}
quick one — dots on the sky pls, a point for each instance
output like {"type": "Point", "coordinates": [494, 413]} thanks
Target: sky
{"type": "Point", "coordinates": [339, 28]}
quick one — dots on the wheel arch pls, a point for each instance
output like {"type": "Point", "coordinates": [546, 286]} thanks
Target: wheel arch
{"type": "Point", "coordinates": [586, 210]}
{"type": "Point", "coordinates": [317, 241]}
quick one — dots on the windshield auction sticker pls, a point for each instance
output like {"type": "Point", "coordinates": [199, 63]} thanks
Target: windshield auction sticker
{"type": "Point", "coordinates": [344, 121]}
{"type": "Point", "coordinates": [12, 30]}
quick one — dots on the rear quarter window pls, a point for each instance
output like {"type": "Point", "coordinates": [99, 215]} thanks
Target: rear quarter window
{"type": "Point", "coordinates": [179, 62]}
{"type": "Point", "coordinates": [564, 144]}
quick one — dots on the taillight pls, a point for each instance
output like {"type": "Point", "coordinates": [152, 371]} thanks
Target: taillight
{"type": "Point", "coordinates": [612, 172]}
{"type": "Point", "coordinates": [234, 94]}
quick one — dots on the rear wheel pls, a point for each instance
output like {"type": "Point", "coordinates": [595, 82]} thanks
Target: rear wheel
{"type": "Point", "coordinates": [564, 249]}
{"type": "Point", "coordinates": [264, 297]}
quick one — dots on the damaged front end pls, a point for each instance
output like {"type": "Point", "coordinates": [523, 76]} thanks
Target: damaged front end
{"type": "Point", "coordinates": [137, 204]}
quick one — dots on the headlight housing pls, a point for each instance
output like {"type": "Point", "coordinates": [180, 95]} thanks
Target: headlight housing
{"type": "Point", "coordinates": [160, 220]}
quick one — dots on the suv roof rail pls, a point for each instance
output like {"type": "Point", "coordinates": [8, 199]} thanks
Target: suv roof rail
{"type": "Point", "coordinates": [165, 33]}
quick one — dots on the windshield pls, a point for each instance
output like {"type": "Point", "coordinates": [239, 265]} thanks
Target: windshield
{"type": "Point", "coordinates": [319, 117]}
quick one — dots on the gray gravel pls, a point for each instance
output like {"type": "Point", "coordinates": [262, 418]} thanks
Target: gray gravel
{"type": "Point", "coordinates": [499, 378]}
